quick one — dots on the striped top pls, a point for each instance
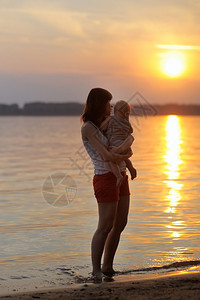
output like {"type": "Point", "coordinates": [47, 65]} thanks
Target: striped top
{"type": "Point", "coordinates": [118, 130]}
{"type": "Point", "coordinates": [100, 166]}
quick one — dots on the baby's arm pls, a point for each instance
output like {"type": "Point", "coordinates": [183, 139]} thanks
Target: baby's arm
{"type": "Point", "coordinates": [105, 123]}
{"type": "Point", "coordinates": [131, 169]}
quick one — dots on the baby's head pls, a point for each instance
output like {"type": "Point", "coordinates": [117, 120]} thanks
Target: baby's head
{"type": "Point", "coordinates": [122, 109]}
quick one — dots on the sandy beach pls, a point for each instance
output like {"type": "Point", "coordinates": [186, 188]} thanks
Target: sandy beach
{"type": "Point", "coordinates": [176, 286]}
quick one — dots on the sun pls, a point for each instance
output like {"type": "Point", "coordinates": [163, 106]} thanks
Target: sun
{"type": "Point", "coordinates": [173, 64]}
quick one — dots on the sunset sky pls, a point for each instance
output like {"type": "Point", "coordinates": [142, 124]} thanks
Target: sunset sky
{"type": "Point", "coordinates": [57, 50]}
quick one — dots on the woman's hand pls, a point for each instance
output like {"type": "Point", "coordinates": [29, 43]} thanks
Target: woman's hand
{"type": "Point", "coordinates": [123, 147]}
{"type": "Point", "coordinates": [117, 158]}
{"type": "Point", "coordinates": [113, 149]}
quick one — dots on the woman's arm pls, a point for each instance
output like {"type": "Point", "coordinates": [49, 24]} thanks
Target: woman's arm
{"type": "Point", "coordinates": [90, 133]}
{"type": "Point", "coordinates": [124, 146]}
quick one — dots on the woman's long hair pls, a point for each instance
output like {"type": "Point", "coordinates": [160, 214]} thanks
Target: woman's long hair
{"type": "Point", "coordinates": [95, 106]}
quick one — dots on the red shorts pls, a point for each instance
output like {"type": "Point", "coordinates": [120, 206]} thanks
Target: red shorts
{"type": "Point", "coordinates": [105, 188]}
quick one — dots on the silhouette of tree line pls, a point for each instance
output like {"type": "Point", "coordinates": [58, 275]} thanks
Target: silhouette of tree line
{"type": "Point", "coordinates": [76, 109]}
{"type": "Point", "coordinates": [42, 109]}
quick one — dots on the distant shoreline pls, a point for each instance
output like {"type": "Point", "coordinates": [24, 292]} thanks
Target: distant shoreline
{"type": "Point", "coordinates": [76, 109]}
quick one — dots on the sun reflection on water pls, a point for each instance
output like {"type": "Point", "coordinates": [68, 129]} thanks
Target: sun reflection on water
{"type": "Point", "coordinates": [172, 159]}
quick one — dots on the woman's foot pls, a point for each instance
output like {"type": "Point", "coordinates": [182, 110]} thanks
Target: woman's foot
{"type": "Point", "coordinates": [108, 279]}
{"type": "Point", "coordinates": [97, 277]}
{"type": "Point", "coordinates": [108, 272]}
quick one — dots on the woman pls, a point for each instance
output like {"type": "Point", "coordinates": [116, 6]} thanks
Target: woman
{"type": "Point", "coordinates": [113, 201]}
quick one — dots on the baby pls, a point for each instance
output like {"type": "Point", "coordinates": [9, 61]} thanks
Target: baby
{"type": "Point", "coordinates": [118, 130]}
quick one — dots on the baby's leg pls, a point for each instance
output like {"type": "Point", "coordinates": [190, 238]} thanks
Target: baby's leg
{"type": "Point", "coordinates": [131, 169]}
{"type": "Point", "coordinates": [116, 171]}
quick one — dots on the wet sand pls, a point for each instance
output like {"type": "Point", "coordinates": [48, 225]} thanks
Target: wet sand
{"type": "Point", "coordinates": [176, 286]}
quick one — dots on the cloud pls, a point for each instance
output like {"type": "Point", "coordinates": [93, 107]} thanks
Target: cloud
{"type": "Point", "coordinates": [93, 20]}
{"type": "Point", "coordinates": [92, 37]}
{"type": "Point", "coordinates": [41, 23]}
{"type": "Point", "coordinates": [179, 47]}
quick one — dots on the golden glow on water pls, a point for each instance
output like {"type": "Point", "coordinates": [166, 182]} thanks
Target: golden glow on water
{"type": "Point", "coordinates": [172, 159]}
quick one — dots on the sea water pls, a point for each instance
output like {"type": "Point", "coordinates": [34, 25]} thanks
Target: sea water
{"type": "Point", "coordinates": [49, 212]}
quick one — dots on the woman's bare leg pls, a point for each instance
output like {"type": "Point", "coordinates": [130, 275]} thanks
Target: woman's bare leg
{"type": "Point", "coordinates": [107, 213]}
{"type": "Point", "coordinates": [113, 238]}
